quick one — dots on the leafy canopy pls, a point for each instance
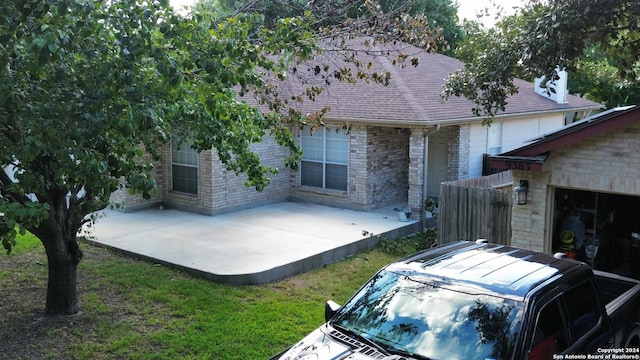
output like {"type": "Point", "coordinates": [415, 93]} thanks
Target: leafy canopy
{"type": "Point", "coordinates": [544, 36]}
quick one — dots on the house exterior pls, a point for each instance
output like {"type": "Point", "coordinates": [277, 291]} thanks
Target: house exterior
{"type": "Point", "coordinates": [585, 178]}
{"type": "Point", "coordinates": [402, 141]}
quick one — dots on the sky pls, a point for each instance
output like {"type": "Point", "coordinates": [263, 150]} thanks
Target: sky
{"type": "Point", "coordinates": [467, 8]}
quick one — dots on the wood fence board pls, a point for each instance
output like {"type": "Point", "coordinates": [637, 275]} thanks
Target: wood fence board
{"type": "Point", "coordinates": [476, 208]}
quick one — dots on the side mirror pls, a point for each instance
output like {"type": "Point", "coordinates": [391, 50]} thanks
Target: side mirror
{"type": "Point", "coordinates": [330, 309]}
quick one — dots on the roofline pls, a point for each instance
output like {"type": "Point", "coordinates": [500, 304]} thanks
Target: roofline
{"type": "Point", "coordinates": [531, 157]}
{"type": "Point", "coordinates": [596, 117]}
{"type": "Point", "coordinates": [589, 128]}
{"type": "Point", "coordinates": [471, 119]}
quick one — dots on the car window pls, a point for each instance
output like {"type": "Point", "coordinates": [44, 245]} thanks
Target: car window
{"type": "Point", "coordinates": [414, 316]}
{"type": "Point", "coordinates": [582, 310]}
{"type": "Point", "coordinates": [550, 336]}
{"type": "Point", "coordinates": [563, 321]}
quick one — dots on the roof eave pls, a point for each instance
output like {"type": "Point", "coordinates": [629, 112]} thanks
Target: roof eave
{"type": "Point", "coordinates": [458, 121]}
{"type": "Point", "coordinates": [573, 135]}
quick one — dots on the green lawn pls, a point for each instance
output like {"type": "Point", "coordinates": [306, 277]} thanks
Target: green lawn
{"type": "Point", "coordinates": [137, 310]}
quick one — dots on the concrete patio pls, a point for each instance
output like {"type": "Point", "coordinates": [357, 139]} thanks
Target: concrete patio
{"type": "Point", "coordinates": [253, 246]}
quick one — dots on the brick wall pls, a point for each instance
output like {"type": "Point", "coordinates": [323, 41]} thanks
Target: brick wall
{"type": "Point", "coordinates": [355, 196]}
{"type": "Point", "coordinates": [606, 163]}
{"type": "Point", "coordinates": [221, 191]}
{"type": "Point", "coordinates": [388, 163]}
{"type": "Point", "coordinates": [378, 163]}
{"type": "Point", "coordinates": [198, 203]}
{"type": "Point", "coordinates": [230, 192]}
{"type": "Point", "coordinates": [416, 171]}
{"type": "Point", "coordinates": [529, 222]}
{"type": "Point", "coordinates": [359, 188]}
{"type": "Point", "coordinates": [218, 189]}
{"type": "Point", "coordinates": [459, 152]}
{"type": "Point", "coordinates": [378, 176]}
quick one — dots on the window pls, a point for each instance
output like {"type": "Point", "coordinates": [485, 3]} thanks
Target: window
{"type": "Point", "coordinates": [411, 315]}
{"type": "Point", "coordinates": [494, 138]}
{"type": "Point", "coordinates": [184, 167]}
{"type": "Point", "coordinates": [325, 158]}
{"type": "Point", "coordinates": [582, 310]}
{"type": "Point", "coordinates": [550, 334]}
{"type": "Point", "coordinates": [565, 321]}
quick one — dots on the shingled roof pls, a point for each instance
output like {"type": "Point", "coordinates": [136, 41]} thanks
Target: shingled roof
{"type": "Point", "coordinates": [414, 95]}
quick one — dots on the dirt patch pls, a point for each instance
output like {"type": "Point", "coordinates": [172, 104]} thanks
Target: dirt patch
{"type": "Point", "coordinates": [26, 332]}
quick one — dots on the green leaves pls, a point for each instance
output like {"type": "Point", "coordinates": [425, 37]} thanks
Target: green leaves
{"type": "Point", "coordinates": [541, 37]}
{"type": "Point", "coordinates": [7, 235]}
{"type": "Point", "coordinates": [490, 66]}
{"type": "Point", "coordinates": [76, 108]}
{"type": "Point", "coordinates": [15, 217]}
{"type": "Point", "coordinates": [91, 91]}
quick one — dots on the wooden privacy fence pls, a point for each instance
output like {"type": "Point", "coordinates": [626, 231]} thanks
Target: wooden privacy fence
{"type": "Point", "coordinates": [474, 209]}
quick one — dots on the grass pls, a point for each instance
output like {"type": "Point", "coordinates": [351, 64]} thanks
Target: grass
{"type": "Point", "coordinates": [137, 310]}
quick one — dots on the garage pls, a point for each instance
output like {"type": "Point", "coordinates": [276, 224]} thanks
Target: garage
{"type": "Point", "coordinates": [601, 229]}
{"type": "Point", "coordinates": [582, 191]}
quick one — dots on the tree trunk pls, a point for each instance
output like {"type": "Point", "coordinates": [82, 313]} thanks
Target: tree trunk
{"type": "Point", "coordinates": [62, 297]}
{"type": "Point", "coordinates": [63, 257]}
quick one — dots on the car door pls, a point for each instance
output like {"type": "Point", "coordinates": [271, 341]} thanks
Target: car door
{"type": "Point", "coordinates": [588, 327]}
{"type": "Point", "coordinates": [572, 322]}
{"type": "Point", "coordinates": [549, 335]}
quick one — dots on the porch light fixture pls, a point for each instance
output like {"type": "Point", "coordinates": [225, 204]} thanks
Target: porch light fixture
{"type": "Point", "coordinates": [522, 191]}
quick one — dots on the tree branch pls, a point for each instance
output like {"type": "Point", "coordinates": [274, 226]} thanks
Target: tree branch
{"type": "Point", "coordinates": [5, 182]}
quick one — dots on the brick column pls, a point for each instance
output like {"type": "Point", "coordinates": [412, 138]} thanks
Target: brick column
{"type": "Point", "coordinates": [416, 173]}
{"type": "Point", "coordinates": [531, 224]}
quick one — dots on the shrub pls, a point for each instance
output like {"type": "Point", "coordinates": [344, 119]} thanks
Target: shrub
{"type": "Point", "coordinates": [424, 239]}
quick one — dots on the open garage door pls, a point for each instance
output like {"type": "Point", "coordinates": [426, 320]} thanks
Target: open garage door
{"type": "Point", "coordinates": [598, 228]}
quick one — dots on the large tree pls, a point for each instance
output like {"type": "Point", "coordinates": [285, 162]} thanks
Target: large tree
{"type": "Point", "coordinates": [597, 77]}
{"type": "Point", "coordinates": [542, 37]}
{"type": "Point", "coordinates": [91, 90]}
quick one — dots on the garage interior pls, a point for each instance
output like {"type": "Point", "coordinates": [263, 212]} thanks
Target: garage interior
{"type": "Point", "coordinates": [600, 229]}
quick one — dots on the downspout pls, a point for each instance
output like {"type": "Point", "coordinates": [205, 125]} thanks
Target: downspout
{"type": "Point", "coordinates": [426, 171]}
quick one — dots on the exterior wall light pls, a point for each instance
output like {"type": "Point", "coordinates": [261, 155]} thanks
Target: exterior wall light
{"type": "Point", "coordinates": [522, 191]}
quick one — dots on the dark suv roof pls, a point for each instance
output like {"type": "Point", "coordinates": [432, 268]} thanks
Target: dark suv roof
{"type": "Point", "coordinates": [486, 268]}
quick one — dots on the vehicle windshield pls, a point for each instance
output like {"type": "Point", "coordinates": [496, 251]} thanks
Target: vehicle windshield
{"type": "Point", "coordinates": [398, 312]}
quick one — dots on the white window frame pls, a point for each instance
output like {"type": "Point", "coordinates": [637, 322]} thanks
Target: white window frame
{"type": "Point", "coordinates": [184, 157]}
{"type": "Point", "coordinates": [494, 138]}
{"type": "Point", "coordinates": [330, 153]}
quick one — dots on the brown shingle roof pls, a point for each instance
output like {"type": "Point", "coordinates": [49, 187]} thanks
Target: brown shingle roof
{"type": "Point", "coordinates": [414, 94]}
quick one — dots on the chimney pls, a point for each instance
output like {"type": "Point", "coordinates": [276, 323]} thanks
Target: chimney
{"type": "Point", "coordinates": [556, 90]}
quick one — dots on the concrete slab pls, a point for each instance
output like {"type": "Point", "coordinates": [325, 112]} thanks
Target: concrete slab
{"type": "Point", "coordinates": [252, 246]}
